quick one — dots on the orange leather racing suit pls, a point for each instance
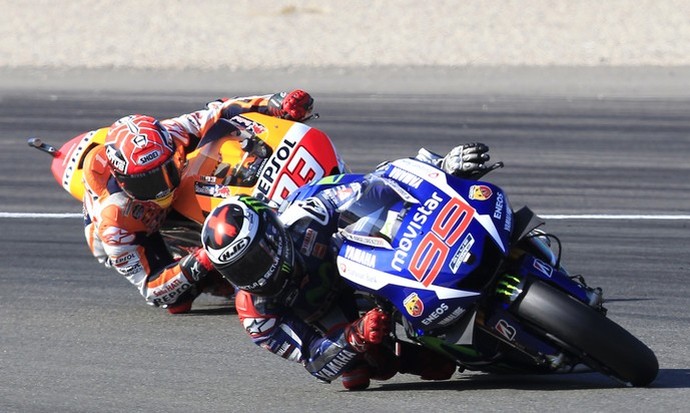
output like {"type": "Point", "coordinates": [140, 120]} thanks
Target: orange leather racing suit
{"type": "Point", "coordinates": [124, 233]}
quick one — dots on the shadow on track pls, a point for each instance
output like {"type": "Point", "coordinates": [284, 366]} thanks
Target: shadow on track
{"type": "Point", "coordinates": [667, 379]}
{"type": "Point", "coordinates": [220, 310]}
{"type": "Point", "coordinates": [672, 379]}
{"type": "Point", "coordinates": [481, 381]}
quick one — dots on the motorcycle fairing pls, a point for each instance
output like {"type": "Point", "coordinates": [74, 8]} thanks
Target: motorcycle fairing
{"type": "Point", "coordinates": [488, 202]}
{"type": "Point", "coordinates": [297, 155]}
{"type": "Point", "coordinates": [531, 267]}
{"type": "Point", "coordinates": [68, 164]}
{"type": "Point", "coordinates": [440, 245]}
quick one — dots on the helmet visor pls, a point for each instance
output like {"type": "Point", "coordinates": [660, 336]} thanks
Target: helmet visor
{"type": "Point", "coordinates": [150, 185]}
{"type": "Point", "coordinates": [260, 270]}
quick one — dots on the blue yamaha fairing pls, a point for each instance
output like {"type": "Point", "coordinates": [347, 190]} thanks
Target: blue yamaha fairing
{"type": "Point", "coordinates": [456, 262]}
{"type": "Point", "coordinates": [428, 242]}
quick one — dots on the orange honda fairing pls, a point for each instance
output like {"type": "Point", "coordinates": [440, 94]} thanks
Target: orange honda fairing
{"type": "Point", "coordinates": [280, 157]}
{"type": "Point", "coordinates": [267, 157]}
{"type": "Point", "coordinates": [68, 163]}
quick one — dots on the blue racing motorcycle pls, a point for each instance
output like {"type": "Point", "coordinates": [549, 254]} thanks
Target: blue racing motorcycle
{"type": "Point", "coordinates": [467, 276]}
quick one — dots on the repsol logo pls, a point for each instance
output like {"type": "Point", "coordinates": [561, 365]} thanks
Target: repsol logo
{"type": "Point", "coordinates": [275, 164]}
{"type": "Point", "coordinates": [172, 296]}
{"type": "Point", "coordinates": [413, 229]}
{"type": "Point", "coordinates": [124, 258]}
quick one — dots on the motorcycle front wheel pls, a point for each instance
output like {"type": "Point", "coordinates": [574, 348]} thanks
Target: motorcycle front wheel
{"type": "Point", "coordinates": [589, 334]}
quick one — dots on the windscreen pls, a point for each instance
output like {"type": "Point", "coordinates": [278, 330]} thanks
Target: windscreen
{"type": "Point", "coordinates": [375, 212]}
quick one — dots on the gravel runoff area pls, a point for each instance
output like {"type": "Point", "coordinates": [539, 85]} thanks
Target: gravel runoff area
{"type": "Point", "coordinates": [250, 34]}
{"type": "Point", "coordinates": [435, 46]}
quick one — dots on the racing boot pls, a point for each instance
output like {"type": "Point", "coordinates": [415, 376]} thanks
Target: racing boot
{"type": "Point", "coordinates": [184, 303]}
{"type": "Point", "coordinates": [180, 307]}
{"type": "Point", "coordinates": [364, 336]}
{"type": "Point", "coordinates": [357, 377]}
{"type": "Point", "coordinates": [377, 363]}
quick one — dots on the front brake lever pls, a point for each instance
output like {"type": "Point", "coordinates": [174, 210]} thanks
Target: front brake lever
{"type": "Point", "coordinates": [497, 165]}
{"type": "Point", "coordinates": [310, 117]}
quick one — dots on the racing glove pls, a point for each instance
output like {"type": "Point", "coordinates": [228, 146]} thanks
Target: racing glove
{"type": "Point", "coordinates": [372, 328]}
{"type": "Point", "coordinates": [296, 105]}
{"type": "Point", "coordinates": [196, 265]}
{"type": "Point", "coordinates": [466, 161]}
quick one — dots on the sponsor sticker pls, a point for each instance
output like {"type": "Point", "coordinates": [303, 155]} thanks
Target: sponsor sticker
{"type": "Point", "coordinates": [480, 192]}
{"type": "Point", "coordinates": [498, 209]}
{"type": "Point", "coordinates": [414, 305]}
{"type": "Point", "coordinates": [308, 242]}
{"type": "Point", "coordinates": [438, 312]}
{"type": "Point", "coordinates": [543, 267]}
{"type": "Point", "coordinates": [234, 251]}
{"type": "Point", "coordinates": [505, 329]}
{"type": "Point", "coordinates": [462, 253]}
{"type": "Point", "coordinates": [405, 177]}
{"type": "Point", "coordinates": [149, 157]}
{"type": "Point", "coordinates": [360, 256]}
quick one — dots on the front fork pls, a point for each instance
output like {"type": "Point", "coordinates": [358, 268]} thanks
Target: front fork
{"type": "Point", "coordinates": [534, 260]}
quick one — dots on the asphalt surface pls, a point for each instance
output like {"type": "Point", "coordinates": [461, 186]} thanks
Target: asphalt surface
{"type": "Point", "coordinates": [75, 337]}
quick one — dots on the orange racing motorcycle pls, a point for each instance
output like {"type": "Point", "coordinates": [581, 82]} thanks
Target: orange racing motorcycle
{"type": "Point", "coordinates": [255, 154]}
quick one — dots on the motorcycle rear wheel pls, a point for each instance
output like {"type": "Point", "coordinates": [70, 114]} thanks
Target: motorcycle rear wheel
{"type": "Point", "coordinates": [613, 349]}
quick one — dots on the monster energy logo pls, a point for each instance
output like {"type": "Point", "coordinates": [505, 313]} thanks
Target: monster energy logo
{"type": "Point", "coordinates": [509, 286]}
{"type": "Point", "coordinates": [333, 179]}
{"type": "Point", "coordinates": [254, 203]}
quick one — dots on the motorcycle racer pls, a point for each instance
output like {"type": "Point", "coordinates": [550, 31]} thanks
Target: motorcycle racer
{"type": "Point", "coordinates": [130, 184]}
{"type": "Point", "coordinates": [290, 299]}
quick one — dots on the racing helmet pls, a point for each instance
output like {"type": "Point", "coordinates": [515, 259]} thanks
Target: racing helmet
{"type": "Point", "coordinates": [249, 246]}
{"type": "Point", "coordinates": [144, 159]}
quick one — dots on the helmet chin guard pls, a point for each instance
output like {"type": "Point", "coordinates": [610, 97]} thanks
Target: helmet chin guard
{"type": "Point", "coordinates": [248, 245]}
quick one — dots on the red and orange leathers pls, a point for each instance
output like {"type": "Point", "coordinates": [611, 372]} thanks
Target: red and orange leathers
{"type": "Point", "coordinates": [123, 233]}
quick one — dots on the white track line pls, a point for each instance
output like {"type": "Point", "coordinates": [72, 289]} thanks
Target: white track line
{"type": "Point", "coordinates": [38, 215]}
{"type": "Point", "coordinates": [621, 217]}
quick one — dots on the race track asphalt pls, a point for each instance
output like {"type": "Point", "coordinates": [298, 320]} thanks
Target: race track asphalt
{"type": "Point", "coordinates": [75, 337]}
